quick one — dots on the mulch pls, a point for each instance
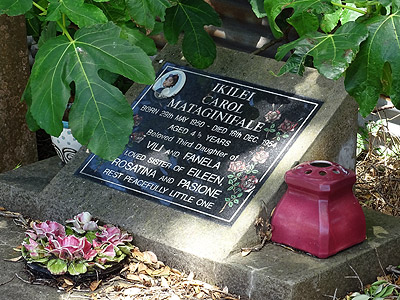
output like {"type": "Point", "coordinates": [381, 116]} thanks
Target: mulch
{"type": "Point", "coordinates": [378, 174]}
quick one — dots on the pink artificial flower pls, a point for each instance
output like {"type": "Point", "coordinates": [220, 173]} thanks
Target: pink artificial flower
{"type": "Point", "coordinates": [109, 251]}
{"type": "Point", "coordinates": [88, 252]}
{"type": "Point", "coordinates": [31, 234]}
{"type": "Point", "coordinates": [32, 248]}
{"type": "Point", "coordinates": [112, 235]}
{"type": "Point", "coordinates": [48, 229]}
{"type": "Point", "coordinates": [71, 248]}
{"type": "Point", "coordinates": [82, 223]}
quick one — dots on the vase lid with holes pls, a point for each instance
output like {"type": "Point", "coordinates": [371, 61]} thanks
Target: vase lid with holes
{"type": "Point", "coordinates": [319, 213]}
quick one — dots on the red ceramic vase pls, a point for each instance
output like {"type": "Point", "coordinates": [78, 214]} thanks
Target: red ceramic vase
{"type": "Point", "coordinates": [319, 213]}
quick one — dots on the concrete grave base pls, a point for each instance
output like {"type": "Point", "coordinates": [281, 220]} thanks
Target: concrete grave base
{"type": "Point", "coordinates": [211, 250]}
{"type": "Point", "coordinates": [272, 273]}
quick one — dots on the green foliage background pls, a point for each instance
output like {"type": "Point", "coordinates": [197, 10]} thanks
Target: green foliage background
{"type": "Point", "coordinates": [356, 39]}
{"type": "Point", "coordinates": [85, 44]}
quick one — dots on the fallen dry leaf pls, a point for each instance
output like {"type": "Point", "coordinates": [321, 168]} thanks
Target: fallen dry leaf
{"type": "Point", "coordinates": [94, 285]}
{"type": "Point", "coordinates": [133, 267]}
{"type": "Point", "coordinates": [133, 277]}
{"type": "Point", "coordinates": [136, 253]}
{"type": "Point", "coordinates": [142, 268]}
{"type": "Point", "coordinates": [150, 256]}
{"type": "Point", "coordinates": [200, 295]}
{"type": "Point", "coordinates": [14, 259]}
{"type": "Point", "coordinates": [2, 208]}
{"type": "Point", "coordinates": [166, 271]}
{"type": "Point", "coordinates": [164, 282]}
{"type": "Point", "coordinates": [68, 281]}
{"type": "Point", "coordinates": [176, 271]}
{"type": "Point", "coordinates": [159, 264]}
{"type": "Point", "coordinates": [245, 251]}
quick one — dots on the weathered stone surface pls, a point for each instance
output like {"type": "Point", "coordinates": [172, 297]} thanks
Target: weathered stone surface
{"type": "Point", "coordinates": [210, 249]}
{"type": "Point", "coordinates": [199, 236]}
{"type": "Point", "coordinates": [19, 188]}
{"type": "Point", "coordinates": [17, 143]}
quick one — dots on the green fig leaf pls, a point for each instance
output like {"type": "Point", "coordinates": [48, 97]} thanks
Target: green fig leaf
{"type": "Point", "coordinates": [134, 36]}
{"type": "Point", "coordinates": [365, 76]}
{"type": "Point", "coordinates": [190, 16]}
{"type": "Point", "coordinates": [332, 53]}
{"type": "Point", "coordinates": [330, 21]}
{"type": "Point", "coordinates": [15, 7]}
{"type": "Point", "coordinates": [305, 17]}
{"type": "Point", "coordinates": [80, 13]}
{"type": "Point", "coordinates": [258, 8]}
{"type": "Point", "coordinates": [115, 10]}
{"type": "Point", "coordinates": [100, 117]}
{"type": "Point", "coordinates": [27, 97]}
{"type": "Point", "coordinates": [145, 12]}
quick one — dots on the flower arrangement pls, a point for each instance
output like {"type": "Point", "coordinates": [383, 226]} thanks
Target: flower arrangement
{"type": "Point", "coordinates": [81, 246]}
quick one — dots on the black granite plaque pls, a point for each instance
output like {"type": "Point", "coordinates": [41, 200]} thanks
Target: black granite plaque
{"type": "Point", "coordinates": [204, 143]}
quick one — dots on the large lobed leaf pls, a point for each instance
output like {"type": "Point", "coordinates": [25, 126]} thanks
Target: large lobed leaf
{"type": "Point", "coordinates": [15, 7]}
{"type": "Point", "coordinates": [115, 11]}
{"type": "Point", "coordinates": [132, 34]}
{"type": "Point", "coordinates": [144, 12]}
{"type": "Point", "coordinates": [258, 8]}
{"type": "Point", "coordinates": [305, 17]}
{"type": "Point", "coordinates": [190, 16]}
{"type": "Point", "coordinates": [332, 53]}
{"type": "Point", "coordinates": [364, 78]}
{"type": "Point", "coordinates": [82, 14]}
{"type": "Point", "coordinates": [100, 118]}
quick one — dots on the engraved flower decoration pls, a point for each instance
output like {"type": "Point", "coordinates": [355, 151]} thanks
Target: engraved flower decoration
{"type": "Point", "coordinates": [137, 137]}
{"type": "Point", "coordinates": [248, 183]}
{"type": "Point", "coordinates": [260, 156]}
{"type": "Point", "coordinates": [272, 116]}
{"type": "Point", "coordinates": [237, 166]}
{"type": "Point", "coordinates": [137, 120]}
{"type": "Point", "coordinates": [287, 126]}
